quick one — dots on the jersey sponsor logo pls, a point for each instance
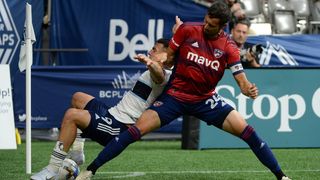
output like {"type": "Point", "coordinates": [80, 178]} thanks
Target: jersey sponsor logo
{"type": "Point", "coordinates": [9, 38]}
{"type": "Point", "coordinates": [214, 64]}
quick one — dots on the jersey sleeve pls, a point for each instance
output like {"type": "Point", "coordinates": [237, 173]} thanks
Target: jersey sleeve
{"type": "Point", "coordinates": [179, 37]}
{"type": "Point", "coordinates": [233, 60]}
{"type": "Point", "coordinates": [143, 86]}
{"type": "Point", "coordinates": [167, 76]}
{"type": "Point", "coordinates": [145, 78]}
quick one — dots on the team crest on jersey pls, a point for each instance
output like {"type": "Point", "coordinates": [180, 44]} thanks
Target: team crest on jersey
{"type": "Point", "coordinates": [217, 53]}
{"type": "Point", "coordinates": [157, 103]}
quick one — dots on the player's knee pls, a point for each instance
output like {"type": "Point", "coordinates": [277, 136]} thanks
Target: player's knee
{"type": "Point", "coordinates": [70, 116]}
{"type": "Point", "coordinates": [79, 100]}
{"type": "Point", "coordinates": [148, 122]}
{"type": "Point", "coordinates": [76, 99]}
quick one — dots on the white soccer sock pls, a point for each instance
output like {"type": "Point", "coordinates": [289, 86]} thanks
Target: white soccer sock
{"type": "Point", "coordinates": [78, 144]}
{"type": "Point", "coordinates": [57, 156]}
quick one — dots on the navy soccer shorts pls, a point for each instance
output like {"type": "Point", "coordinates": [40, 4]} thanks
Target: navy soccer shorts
{"type": "Point", "coordinates": [103, 127]}
{"type": "Point", "coordinates": [97, 106]}
{"type": "Point", "coordinates": [213, 110]}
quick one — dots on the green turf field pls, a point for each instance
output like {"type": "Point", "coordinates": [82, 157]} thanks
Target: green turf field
{"type": "Point", "coordinates": [157, 160]}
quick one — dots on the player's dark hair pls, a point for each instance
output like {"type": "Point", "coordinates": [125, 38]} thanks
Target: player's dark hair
{"type": "Point", "coordinates": [220, 10]}
{"type": "Point", "coordinates": [164, 41]}
{"type": "Point", "coordinates": [243, 21]}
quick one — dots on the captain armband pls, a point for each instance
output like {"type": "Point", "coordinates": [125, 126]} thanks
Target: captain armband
{"type": "Point", "coordinates": [236, 68]}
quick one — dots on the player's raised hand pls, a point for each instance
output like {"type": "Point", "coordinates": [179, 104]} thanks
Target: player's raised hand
{"type": "Point", "coordinates": [176, 25]}
{"type": "Point", "coordinates": [144, 59]}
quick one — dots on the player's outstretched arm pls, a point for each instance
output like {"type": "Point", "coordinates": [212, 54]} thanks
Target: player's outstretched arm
{"type": "Point", "coordinates": [247, 88]}
{"type": "Point", "coordinates": [154, 66]}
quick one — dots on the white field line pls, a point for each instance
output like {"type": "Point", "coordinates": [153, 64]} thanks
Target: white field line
{"type": "Point", "coordinates": [204, 172]}
{"type": "Point", "coordinates": [123, 174]}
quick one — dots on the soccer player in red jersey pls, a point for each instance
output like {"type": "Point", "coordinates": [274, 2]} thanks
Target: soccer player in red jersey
{"type": "Point", "coordinates": [200, 53]}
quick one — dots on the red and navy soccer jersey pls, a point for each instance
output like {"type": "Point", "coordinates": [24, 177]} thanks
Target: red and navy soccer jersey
{"type": "Point", "coordinates": [200, 62]}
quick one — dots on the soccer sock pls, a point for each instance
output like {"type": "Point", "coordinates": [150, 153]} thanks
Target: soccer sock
{"type": "Point", "coordinates": [57, 156]}
{"type": "Point", "coordinates": [78, 144]}
{"type": "Point", "coordinates": [261, 150]}
{"type": "Point", "coordinates": [76, 152]}
{"type": "Point", "coordinates": [115, 147]}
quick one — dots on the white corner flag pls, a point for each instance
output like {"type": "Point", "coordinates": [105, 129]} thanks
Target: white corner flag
{"type": "Point", "coordinates": [28, 39]}
{"type": "Point", "coordinates": [25, 63]}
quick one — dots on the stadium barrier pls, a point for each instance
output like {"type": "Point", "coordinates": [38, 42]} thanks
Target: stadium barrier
{"type": "Point", "coordinates": [286, 113]}
{"type": "Point", "coordinates": [53, 87]}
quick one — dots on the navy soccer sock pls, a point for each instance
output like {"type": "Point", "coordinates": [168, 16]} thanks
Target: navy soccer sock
{"type": "Point", "coordinates": [115, 147]}
{"type": "Point", "coordinates": [261, 150]}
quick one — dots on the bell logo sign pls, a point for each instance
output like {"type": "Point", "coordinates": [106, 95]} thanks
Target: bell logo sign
{"type": "Point", "coordinates": [140, 42]}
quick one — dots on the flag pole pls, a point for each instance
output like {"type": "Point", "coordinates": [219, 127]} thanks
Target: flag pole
{"type": "Point", "coordinates": [29, 54]}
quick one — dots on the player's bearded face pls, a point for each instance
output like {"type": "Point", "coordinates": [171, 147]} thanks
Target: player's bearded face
{"type": "Point", "coordinates": [211, 26]}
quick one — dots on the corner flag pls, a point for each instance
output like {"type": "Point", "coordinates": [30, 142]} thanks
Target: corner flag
{"type": "Point", "coordinates": [26, 44]}
{"type": "Point", "coordinates": [25, 63]}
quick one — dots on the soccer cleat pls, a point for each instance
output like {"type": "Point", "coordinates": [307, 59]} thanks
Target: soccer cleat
{"type": "Point", "coordinates": [285, 178]}
{"type": "Point", "coordinates": [77, 156]}
{"type": "Point", "coordinates": [63, 174]}
{"type": "Point", "coordinates": [84, 175]}
{"type": "Point", "coordinates": [47, 173]}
